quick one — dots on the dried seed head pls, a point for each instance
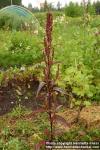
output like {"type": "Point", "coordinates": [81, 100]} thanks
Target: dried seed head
{"type": "Point", "coordinates": [48, 38]}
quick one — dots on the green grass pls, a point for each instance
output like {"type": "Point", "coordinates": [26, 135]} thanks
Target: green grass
{"type": "Point", "coordinates": [23, 133]}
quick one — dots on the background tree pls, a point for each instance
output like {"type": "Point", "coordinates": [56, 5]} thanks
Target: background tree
{"type": "Point", "coordinates": [90, 8]}
{"type": "Point", "coordinates": [45, 5]}
{"type": "Point", "coordinates": [4, 3]}
{"type": "Point", "coordinates": [16, 2]}
{"type": "Point", "coordinates": [73, 10]}
{"type": "Point", "coordinates": [97, 7]}
{"type": "Point", "coordinates": [35, 9]}
{"type": "Point", "coordinates": [30, 6]}
{"type": "Point", "coordinates": [50, 6]}
{"type": "Point", "coordinates": [58, 5]}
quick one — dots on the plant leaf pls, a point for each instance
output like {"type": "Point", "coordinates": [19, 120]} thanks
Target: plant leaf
{"type": "Point", "coordinates": [59, 90]}
{"type": "Point", "coordinates": [87, 103]}
{"type": "Point", "coordinates": [19, 92]}
{"type": "Point", "coordinates": [58, 108]}
{"type": "Point", "coordinates": [41, 85]}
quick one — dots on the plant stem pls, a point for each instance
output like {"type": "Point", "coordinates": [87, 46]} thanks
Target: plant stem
{"type": "Point", "coordinates": [48, 58]}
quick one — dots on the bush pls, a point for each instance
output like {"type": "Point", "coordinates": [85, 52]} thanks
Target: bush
{"type": "Point", "coordinates": [14, 22]}
{"type": "Point", "coordinates": [41, 18]}
{"type": "Point", "coordinates": [78, 81]}
{"type": "Point", "coordinates": [21, 48]}
{"type": "Point", "coordinates": [95, 22]}
{"type": "Point", "coordinates": [9, 22]}
{"type": "Point", "coordinates": [73, 10]}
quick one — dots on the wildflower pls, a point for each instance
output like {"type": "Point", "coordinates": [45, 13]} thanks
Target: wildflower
{"type": "Point", "coordinates": [12, 102]}
{"type": "Point", "coordinates": [22, 68]}
{"type": "Point", "coordinates": [36, 32]}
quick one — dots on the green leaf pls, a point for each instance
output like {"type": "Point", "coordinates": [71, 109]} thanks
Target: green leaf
{"type": "Point", "coordinates": [87, 103]}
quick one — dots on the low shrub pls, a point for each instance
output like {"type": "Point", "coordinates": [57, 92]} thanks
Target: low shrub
{"type": "Point", "coordinates": [20, 48]}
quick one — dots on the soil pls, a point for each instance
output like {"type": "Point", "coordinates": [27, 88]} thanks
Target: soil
{"type": "Point", "coordinates": [18, 93]}
{"type": "Point", "coordinates": [22, 92]}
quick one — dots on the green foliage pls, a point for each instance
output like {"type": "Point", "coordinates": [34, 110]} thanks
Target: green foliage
{"type": "Point", "coordinates": [18, 111]}
{"type": "Point", "coordinates": [25, 128]}
{"type": "Point", "coordinates": [76, 10]}
{"type": "Point", "coordinates": [2, 144]}
{"type": "Point", "coordinates": [75, 135]}
{"type": "Point", "coordinates": [97, 7]}
{"type": "Point", "coordinates": [14, 22]}
{"type": "Point", "coordinates": [6, 132]}
{"type": "Point", "coordinates": [80, 80]}
{"type": "Point", "coordinates": [10, 74]}
{"type": "Point", "coordinates": [91, 9]}
{"type": "Point", "coordinates": [23, 42]}
{"type": "Point", "coordinates": [41, 18]}
{"type": "Point", "coordinates": [4, 3]}
{"type": "Point", "coordinates": [73, 10]}
{"type": "Point", "coordinates": [20, 48]}
{"type": "Point", "coordinates": [22, 133]}
{"type": "Point", "coordinates": [5, 21]}
{"type": "Point", "coordinates": [18, 18]}
{"type": "Point", "coordinates": [16, 144]}
{"type": "Point", "coordinates": [95, 22]}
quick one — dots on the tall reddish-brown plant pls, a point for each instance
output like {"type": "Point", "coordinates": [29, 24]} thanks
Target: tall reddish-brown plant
{"type": "Point", "coordinates": [48, 58]}
{"type": "Point", "coordinates": [49, 82]}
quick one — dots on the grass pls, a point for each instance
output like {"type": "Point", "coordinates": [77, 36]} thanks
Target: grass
{"type": "Point", "coordinates": [22, 132]}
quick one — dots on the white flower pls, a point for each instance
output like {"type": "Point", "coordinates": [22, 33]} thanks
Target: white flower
{"type": "Point", "coordinates": [20, 44]}
{"type": "Point", "coordinates": [26, 97]}
{"type": "Point", "coordinates": [36, 32]}
{"type": "Point", "coordinates": [22, 68]}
